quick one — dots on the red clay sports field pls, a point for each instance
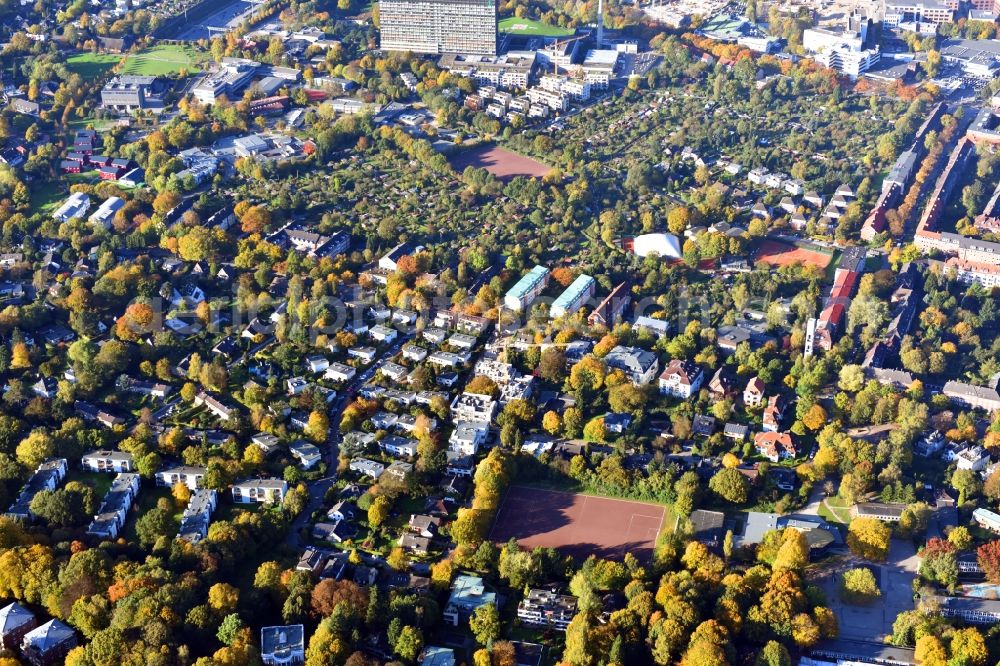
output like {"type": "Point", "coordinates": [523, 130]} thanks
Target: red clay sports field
{"type": "Point", "coordinates": [576, 524]}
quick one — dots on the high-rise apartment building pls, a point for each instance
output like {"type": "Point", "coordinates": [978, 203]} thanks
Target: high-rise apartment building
{"type": "Point", "coordinates": [439, 26]}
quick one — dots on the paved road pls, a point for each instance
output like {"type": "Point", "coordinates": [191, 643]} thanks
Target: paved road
{"type": "Point", "coordinates": [317, 494]}
{"type": "Point", "coordinates": [318, 488]}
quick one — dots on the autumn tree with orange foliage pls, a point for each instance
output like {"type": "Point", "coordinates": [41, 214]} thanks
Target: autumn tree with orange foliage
{"type": "Point", "coordinates": [563, 276]}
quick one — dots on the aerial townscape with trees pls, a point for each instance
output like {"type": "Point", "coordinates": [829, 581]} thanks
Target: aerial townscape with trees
{"type": "Point", "coordinates": [454, 332]}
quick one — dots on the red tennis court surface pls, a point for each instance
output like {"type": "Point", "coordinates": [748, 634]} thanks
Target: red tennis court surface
{"type": "Point", "coordinates": [580, 525]}
{"type": "Point", "coordinates": [782, 254]}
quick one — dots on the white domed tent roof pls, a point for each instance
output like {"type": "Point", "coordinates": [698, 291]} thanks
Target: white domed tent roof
{"type": "Point", "coordinates": [665, 245]}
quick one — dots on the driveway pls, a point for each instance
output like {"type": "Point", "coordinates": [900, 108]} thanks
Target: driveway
{"type": "Point", "coordinates": [816, 498]}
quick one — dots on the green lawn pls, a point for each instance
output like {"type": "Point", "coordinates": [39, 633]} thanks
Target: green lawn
{"type": "Point", "coordinates": [526, 26]}
{"type": "Point", "coordinates": [90, 123]}
{"type": "Point", "coordinates": [46, 197]}
{"type": "Point", "coordinates": [163, 60]}
{"type": "Point", "coordinates": [835, 510]}
{"type": "Point", "coordinates": [101, 483]}
{"type": "Point", "coordinates": [92, 65]}
{"type": "Point", "coordinates": [147, 499]}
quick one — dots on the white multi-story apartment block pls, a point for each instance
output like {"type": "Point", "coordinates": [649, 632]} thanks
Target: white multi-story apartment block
{"type": "Point", "coordinates": [473, 407]}
{"type": "Point", "coordinates": [544, 608]}
{"type": "Point", "coordinates": [578, 89]}
{"type": "Point", "coordinates": [439, 26]}
{"type": "Point", "coordinates": [527, 289]}
{"type": "Point", "coordinates": [557, 101]}
{"type": "Point", "coordinates": [468, 436]}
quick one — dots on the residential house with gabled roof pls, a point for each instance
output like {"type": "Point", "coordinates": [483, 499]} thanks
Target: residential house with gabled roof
{"type": "Point", "coordinates": [735, 431]}
{"type": "Point", "coordinates": [659, 328]}
{"type": "Point", "coordinates": [681, 379]}
{"type": "Point", "coordinates": [971, 395]}
{"type": "Point", "coordinates": [775, 445]}
{"type": "Point", "coordinates": [340, 372]}
{"type": "Point", "coordinates": [415, 543]}
{"type": "Point", "coordinates": [47, 476]}
{"type": "Point", "coordinates": [214, 405]}
{"type": "Point", "coordinates": [753, 394]}
{"type": "Point", "coordinates": [266, 442]}
{"type": "Point", "coordinates": [336, 531]}
{"type": "Point", "coordinates": [307, 454]}
{"type": "Point", "coordinates": [367, 467]}
{"type": "Point", "coordinates": [197, 516]}
{"type": "Point", "coordinates": [889, 512]}
{"type": "Point", "coordinates": [720, 386]}
{"type": "Point", "coordinates": [110, 518]}
{"type": "Point", "coordinates": [773, 413]}
{"type": "Point", "coordinates": [395, 445]}
{"type": "Point", "coordinates": [424, 525]}
{"type": "Point", "coordinates": [399, 470]}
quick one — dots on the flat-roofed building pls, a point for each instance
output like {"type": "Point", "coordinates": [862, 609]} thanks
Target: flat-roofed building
{"type": "Point", "coordinates": [987, 519]}
{"type": "Point", "coordinates": [127, 93]}
{"type": "Point", "coordinates": [254, 491]}
{"type": "Point", "coordinates": [976, 57]}
{"type": "Point", "coordinates": [552, 99]}
{"type": "Point", "coordinates": [473, 407]}
{"type": "Point", "coordinates": [107, 461]}
{"type": "Point", "coordinates": [511, 70]}
{"type": "Point", "coordinates": [545, 608]}
{"type": "Point", "coordinates": [921, 11]}
{"type": "Point", "coordinates": [527, 289]}
{"type": "Point", "coordinates": [439, 26]}
{"type": "Point", "coordinates": [598, 67]}
{"type": "Point", "coordinates": [969, 609]}
{"type": "Point", "coordinates": [231, 77]}
{"type": "Point", "coordinates": [468, 594]}
{"type": "Point", "coordinates": [574, 297]}
{"type": "Point", "coordinates": [576, 88]}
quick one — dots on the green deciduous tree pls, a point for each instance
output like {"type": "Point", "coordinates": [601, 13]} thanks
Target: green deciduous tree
{"type": "Point", "coordinates": [869, 538]}
{"type": "Point", "coordinates": [730, 485]}
{"type": "Point", "coordinates": [485, 624]}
